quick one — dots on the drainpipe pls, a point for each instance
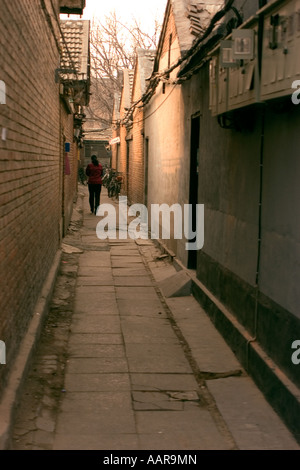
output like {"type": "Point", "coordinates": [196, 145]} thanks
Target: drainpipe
{"type": "Point", "coordinates": [257, 276]}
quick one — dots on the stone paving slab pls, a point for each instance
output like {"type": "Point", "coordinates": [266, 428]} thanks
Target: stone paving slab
{"type": "Point", "coordinates": [180, 441]}
{"type": "Point", "coordinates": [103, 308]}
{"type": "Point", "coordinates": [250, 418]}
{"type": "Point", "coordinates": [158, 364]}
{"type": "Point", "coordinates": [147, 330]}
{"type": "Point", "coordinates": [167, 381]}
{"type": "Point", "coordinates": [125, 250]}
{"type": "Point", "coordinates": [152, 401]}
{"type": "Point", "coordinates": [101, 382]}
{"type": "Point", "coordinates": [94, 271]}
{"type": "Point", "coordinates": [96, 421]}
{"type": "Point", "coordinates": [95, 296]}
{"type": "Point", "coordinates": [126, 262]}
{"type": "Point", "coordinates": [98, 291]}
{"type": "Point", "coordinates": [97, 365]}
{"type": "Point", "coordinates": [143, 281]}
{"type": "Point", "coordinates": [94, 402]}
{"type": "Point", "coordinates": [95, 259]}
{"type": "Point", "coordinates": [91, 306]}
{"type": "Point", "coordinates": [121, 242]}
{"type": "Point", "coordinates": [101, 280]}
{"type": "Point", "coordinates": [121, 272]}
{"type": "Point", "coordinates": [184, 427]}
{"type": "Point", "coordinates": [96, 350]}
{"type": "Point", "coordinates": [95, 338]}
{"type": "Point", "coordinates": [147, 293]}
{"type": "Point", "coordinates": [139, 308]}
{"type": "Point", "coordinates": [171, 349]}
{"type": "Point", "coordinates": [95, 324]}
{"type": "Point", "coordinates": [98, 441]}
{"type": "Point", "coordinates": [211, 353]}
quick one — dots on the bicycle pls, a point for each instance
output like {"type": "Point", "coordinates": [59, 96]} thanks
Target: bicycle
{"type": "Point", "coordinates": [114, 186]}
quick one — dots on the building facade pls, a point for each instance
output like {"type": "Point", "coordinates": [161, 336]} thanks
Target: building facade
{"type": "Point", "coordinates": [38, 172]}
{"type": "Point", "coordinates": [223, 132]}
{"type": "Point", "coordinates": [137, 165]}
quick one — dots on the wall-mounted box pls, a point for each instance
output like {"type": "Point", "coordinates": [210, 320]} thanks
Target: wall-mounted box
{"type": "Point", "coordinates": [243, 80]}
{"type": "Point", "coordinates": [226, 54]}
{"type": "Point", "coordinates": [243, 44]}
{"type": "Point", "coordinates": [235, 83]}
{"type": "Point", "coordinates": [281, 49]}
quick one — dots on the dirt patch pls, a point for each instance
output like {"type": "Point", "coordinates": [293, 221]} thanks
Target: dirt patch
{"type": "Point", "coordinates": [35, 417]}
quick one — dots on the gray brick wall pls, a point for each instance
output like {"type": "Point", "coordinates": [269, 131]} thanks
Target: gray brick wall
{"type": "Point", "coordinates": [30, 166]}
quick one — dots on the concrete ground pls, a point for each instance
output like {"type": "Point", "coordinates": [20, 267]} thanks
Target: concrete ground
{"type": "Point", "coordinates": [124, 365]}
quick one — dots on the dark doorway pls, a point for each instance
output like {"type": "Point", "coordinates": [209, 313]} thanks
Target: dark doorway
{"type": "Point", "coordinates": [193, 197]}
{"type": "Point", "coordinates": [146, 171]}
{"type": "Point", "coordinates": [128, 169]}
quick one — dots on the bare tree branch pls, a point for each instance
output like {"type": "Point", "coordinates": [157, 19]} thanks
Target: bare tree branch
{"type": "Point", "coordinates": [113, 48]}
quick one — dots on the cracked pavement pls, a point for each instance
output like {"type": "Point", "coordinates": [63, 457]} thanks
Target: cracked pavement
{"type": "Point", "coordinates": [121, 366]}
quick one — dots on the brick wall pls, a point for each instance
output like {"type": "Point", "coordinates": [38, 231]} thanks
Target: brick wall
{"type": "Point", "coordinates": [30, 178]}
{"type": "Point", "coordinates": [136, 177]}
{"type": "Point", "coordinates": [170, 29]}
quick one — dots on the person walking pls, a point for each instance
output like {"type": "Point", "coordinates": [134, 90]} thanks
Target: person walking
{"type": "Point", "coordinates": [94, 172]}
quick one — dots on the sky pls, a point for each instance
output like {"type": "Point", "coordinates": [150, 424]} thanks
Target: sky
{"type": "Point", "coordinates": [145, 11]}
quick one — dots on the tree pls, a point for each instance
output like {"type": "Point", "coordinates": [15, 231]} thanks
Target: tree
{"type": "Point", "coordinates": [113, 46]}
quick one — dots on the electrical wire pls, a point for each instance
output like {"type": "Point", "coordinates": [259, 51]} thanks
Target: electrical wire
{"type": "Point", "coordinates": [156, 78]}
{"type": "Point", "coordinates": [158, 107]}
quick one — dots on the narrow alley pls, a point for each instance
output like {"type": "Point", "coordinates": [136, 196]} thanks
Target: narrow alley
{"type": "Point", "coordinates": [169, 320]}
{"type": "Point", "coordinates": [124, 365]}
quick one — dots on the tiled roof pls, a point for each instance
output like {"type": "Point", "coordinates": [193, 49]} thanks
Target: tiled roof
{"type": "Point", "coordinates": [131, 78]}
{"type": "Point", "coordinates": [146, 61]}
{"type": "Point", "coordinates": [75, 47]}
{"type": "Point", "coordinates": [191, 18]}
{"type": "Point", "coordinates": [200, 13]}
{"type": "Point", "coordinates": [128, 76]}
